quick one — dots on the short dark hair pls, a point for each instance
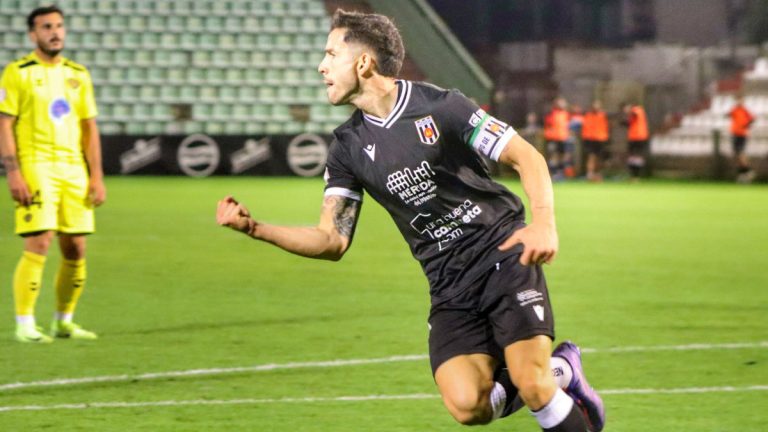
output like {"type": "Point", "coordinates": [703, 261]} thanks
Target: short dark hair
{"type": "Point", "coordinates": [377, 32]}
{"type": "Point", "coordinates": [43, 10]}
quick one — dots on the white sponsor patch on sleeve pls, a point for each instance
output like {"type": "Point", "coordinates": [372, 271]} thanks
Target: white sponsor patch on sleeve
{"type": "Point", "coordinates": [2, 94]}
{"type": "Point", "coordinates": [490, 136]}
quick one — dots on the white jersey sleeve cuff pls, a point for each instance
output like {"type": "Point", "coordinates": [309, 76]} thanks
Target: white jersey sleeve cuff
{"type": "Point", "coordinates": [339, 191]}
{"type": "Point", "coordinates": [503, 142]}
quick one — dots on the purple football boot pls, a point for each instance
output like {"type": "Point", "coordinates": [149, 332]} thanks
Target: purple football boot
{"type": "Point", "coordinates": [579, 389]}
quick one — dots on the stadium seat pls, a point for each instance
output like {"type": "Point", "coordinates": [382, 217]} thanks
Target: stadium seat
{"type": "Point", "coordinates": [135, 128]}
{"type": "Point", "coordinates": [106, 6]}
{"type": "Point", "coordinates": [193, 127]}
{"type": "Point", "coordinates": [207, 93]}
{"type": "Point", "coordinates": [136, 75]}
{"type": "Point", "coordinates": [149, 93]}
{"type": "Point", "coordinates": [214, 127]}
{"type": "Point", "coordinates": [169, 93]}
{"type": "Point", "coordinates": [254, 128]}
{"type": "Point", "coordinates": [84, 6]}
{"type": "Point", "coordinates": [240, 112]}
{"type": "Point", "coordinates": [156, 23]}
{"type": "Point", "coordinates": [233, 76]}
{"type": "Point", "coordinates": [174, 75]}
{"type": "Point", "coordinates": [187, 93]}
{"type": "Point", "coordinates": [234, 128]}
{"type": "Point", "coordinates": [175, 23]}
{"type": "Point", "coordinates": [227, 93]}
{"type": "Point", "coordinates": [18, 21]}
{"type": "Point", "coordinates": [201, 58]}
{"type": "Point", "coordinates": [220, 58]}
{"type": "Point", "coordinates": [125, 8]}
{"type": "Point", "coordinates": [110, 128]}
{"type": "Point", "coordinates": [150, 40]}
{"type": "Point", "coordinates": [78, 22]}
{"type": "Point", "coordinates": [247, 93]}
{"type": "Point", "coordinates": [259, 111]}
{"type": "Point", "coordinates": [121, 112]}
{"type": "Point", "coordinates": [194, 24]}
{"type": "Point", "coordinates": [274, 128]}
{"type": "Point", "coordinates": [83, 56]}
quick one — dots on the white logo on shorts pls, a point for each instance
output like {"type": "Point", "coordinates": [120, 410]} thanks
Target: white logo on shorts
{"type": "Point", "coordinates": [529, 296]}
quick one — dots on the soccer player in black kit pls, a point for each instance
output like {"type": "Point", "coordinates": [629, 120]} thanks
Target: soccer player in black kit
{"type": "Point", "coordinates": [414, 148]}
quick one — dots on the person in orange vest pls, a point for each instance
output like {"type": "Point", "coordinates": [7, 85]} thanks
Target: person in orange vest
{"type": "Point", "coordinates": [637, 136]}
{"type": "Point", "coordinates": [741, 121]}
{"type": "Point", "coordinates": [556, 134]}
{"type": "Point", "coordinates": [594, 134]}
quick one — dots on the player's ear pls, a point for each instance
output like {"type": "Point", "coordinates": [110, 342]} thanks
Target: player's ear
{"type": "Point", "coordinates": [365, 65]}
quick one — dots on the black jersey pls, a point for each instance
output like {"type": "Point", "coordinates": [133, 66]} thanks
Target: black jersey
{"type": "Point", "coordinates": [422, 165]}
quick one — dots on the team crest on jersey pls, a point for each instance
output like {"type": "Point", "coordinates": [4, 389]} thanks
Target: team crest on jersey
{"type": "Point", "coordinates": [428, 133]}
{"type": "Point", "coordinates": [59, 109]}
{"type": "Point", "coordinates": [73, 83]}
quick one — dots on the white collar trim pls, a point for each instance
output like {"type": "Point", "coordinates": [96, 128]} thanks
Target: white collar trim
{"type": "Point", "coordinates": [403, 96]}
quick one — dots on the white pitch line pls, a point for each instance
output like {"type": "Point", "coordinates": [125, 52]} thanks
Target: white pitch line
{"type": "Point", "coordinates": [684, 390]}
{"type": "Point", "coordinates": [340, 363]}
{"type": "Point", "coordinates": [416, 396]}
{"type": "Point", "coordinates": [688, 347]}
{"type": "Point", "coordinates": [212, 371]}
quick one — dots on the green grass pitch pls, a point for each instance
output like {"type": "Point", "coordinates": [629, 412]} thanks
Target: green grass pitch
{"type": "Point", "coordinates": [641, 265]}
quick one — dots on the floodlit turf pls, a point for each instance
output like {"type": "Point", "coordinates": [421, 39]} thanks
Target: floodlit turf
{"type": "Point", "coordinates": [641, 265]}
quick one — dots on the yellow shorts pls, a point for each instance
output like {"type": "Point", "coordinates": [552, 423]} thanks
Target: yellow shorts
{"type": "Point", "coordinates": [60, 199]}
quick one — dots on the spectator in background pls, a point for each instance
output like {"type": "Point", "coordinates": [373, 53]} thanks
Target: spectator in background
{"type": "Point", "coordinates": [637, 136]}
{"type": "Point", "coordinates": [556, 134]}
{"type": "Point", "coordinates": [575, 123]}
{"type": "Point", "coordinates": [741, 121]}
{"type": "Point", "coordinates": [594, 134]}
{"type": "Point", "coordinates": [532, 130]}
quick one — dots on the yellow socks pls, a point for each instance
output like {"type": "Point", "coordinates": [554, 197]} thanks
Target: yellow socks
{"type": "Point", "coordinates": [70, 281]}
{"type": "Point", "coordinates": [26, 284]}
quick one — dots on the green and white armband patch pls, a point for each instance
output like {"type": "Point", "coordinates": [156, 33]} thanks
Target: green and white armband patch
{"type": "Point", "coordinates": [490, 135]}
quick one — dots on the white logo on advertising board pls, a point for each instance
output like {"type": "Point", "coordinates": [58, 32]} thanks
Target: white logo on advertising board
{"type": "Point", "coordinates": [307, 154]}
{"type": "Point", "coordinates": [198, 155]}
{"type": "Point", "coordinates": [142, 154]}
{"type": "Point", "coordinates": [253, 153]}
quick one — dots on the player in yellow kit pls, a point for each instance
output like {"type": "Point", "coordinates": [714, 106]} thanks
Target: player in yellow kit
{"type": "Point", "coordinates": [51, 151]}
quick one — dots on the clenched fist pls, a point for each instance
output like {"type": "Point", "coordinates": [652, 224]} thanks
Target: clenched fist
{"type": "Point", "coordinates": [231, 213]}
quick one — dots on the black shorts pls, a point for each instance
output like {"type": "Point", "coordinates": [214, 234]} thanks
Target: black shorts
{"type": "Point", "coordinates": [638, 147]}
{"type": "Point", "coordinates": [594, 147]}
{"type": "Point", "coordinates": [507, 304]}
{"type": "Point", "coordinates": [739, 143]}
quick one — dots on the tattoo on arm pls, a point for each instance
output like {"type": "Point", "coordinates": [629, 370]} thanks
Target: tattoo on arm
{"type": "Point", "coordinates": [345, 212]}
{"type": "Point", "coordinates": [10, 163]}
